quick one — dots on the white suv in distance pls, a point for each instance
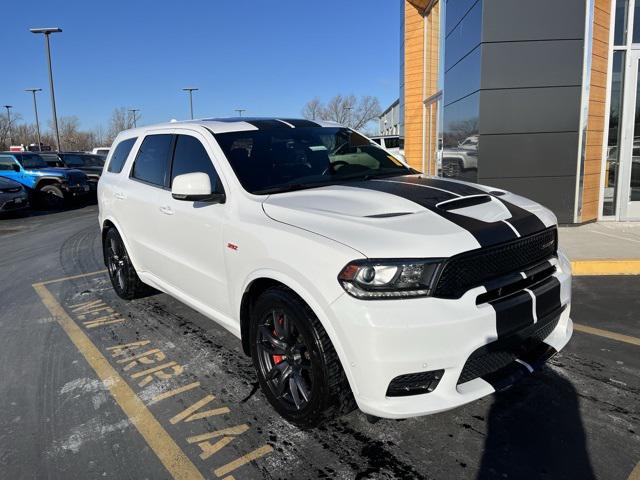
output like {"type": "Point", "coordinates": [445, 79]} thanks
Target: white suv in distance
{"type": "Point", "coordinates": [347, 275]}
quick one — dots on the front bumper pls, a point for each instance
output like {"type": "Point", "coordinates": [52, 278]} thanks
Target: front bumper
{"type": "Point", "coordinates": [14, 202]}
{"type": "Point", "coordinates": [76, 190]}
{"type": "Point", "coordinates": [384, 339]}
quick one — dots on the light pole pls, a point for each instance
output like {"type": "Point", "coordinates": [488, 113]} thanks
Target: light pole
{"type": "Point", "coordinates": [347, 117]}
{"type": "Point", "coordinates": [47, 32]}
{"type": "Point", "coordinates": [133, 112]}
{"type": "Point", "coordinates": [9, 107]}
{"type": "Point", "coordinates": [35, 108]}
{"type": "Point", "coordinates": [190, 90]}
{"type": "Point", "coordinates": [240, 110]}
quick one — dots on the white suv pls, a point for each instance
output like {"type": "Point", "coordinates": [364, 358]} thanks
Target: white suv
{"type": "Point", "coordinates": [350, 278]}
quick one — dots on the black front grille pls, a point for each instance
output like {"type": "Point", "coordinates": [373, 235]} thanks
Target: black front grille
{"type": "Point", "coordinates": [471, 269]}
{"type": "Point", "coordinates": [499, 354]}
{"type": "Point", "coordinates": [76, 178]}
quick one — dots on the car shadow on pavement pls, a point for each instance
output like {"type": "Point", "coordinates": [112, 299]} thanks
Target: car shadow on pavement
{"type": "Point", "coordinates": [535, 431]}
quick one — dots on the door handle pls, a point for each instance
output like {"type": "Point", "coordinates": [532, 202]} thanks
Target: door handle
{"type": "Point", "coordinates": [119, 196]}
{"type": "Point", "coordinates": [166, 210]}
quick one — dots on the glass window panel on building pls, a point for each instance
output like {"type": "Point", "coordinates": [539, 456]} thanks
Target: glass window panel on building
{"type": "Point", "coordinates": [620, 30]}
{"type": "Point", "coordinates": [613, 148]}
{"type": "Point", "coordinates": [636, 23]}
{"type": "Point", "coordinates": [634, 188]}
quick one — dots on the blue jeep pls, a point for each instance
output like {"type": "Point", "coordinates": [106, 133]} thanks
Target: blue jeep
{"type": "Point", "coordinates": [50, 186]}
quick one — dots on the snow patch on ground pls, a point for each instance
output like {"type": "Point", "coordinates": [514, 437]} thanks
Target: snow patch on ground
{"type": "Point", "coordinates": [90, 431]}
{"type": "Point", "coordinates": [85, 385]}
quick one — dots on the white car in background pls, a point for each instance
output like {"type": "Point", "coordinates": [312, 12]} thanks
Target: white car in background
{"type": "Point", "coordinates": [349, 278]}
{"type": "Point", "coordinates": [392, 143]}
{"type": "Point", "coordinates": [102, 151]}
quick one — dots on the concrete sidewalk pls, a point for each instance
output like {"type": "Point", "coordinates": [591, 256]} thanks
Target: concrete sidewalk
{"type": "Point", "coordinates": [604, 248]}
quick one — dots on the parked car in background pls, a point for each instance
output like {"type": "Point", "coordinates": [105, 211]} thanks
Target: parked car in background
{"type": "Point", "coordinates": [13, 196]}
{"type": "Point", "coordinates": [392, 143]}
{"type": "Point", "coordinates": [88, 163]}
{"type": "Point", "coordinates": [102, 151]}
{"type": "Point", "coordinates": [346, 275]}
{"type": "Point", "coordinates": [50, 186]}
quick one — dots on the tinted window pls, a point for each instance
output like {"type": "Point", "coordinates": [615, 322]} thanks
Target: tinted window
{"type": "Point", "coordinates": [120, 155]}
{"type": "Point", "coordinates": [6, 163]}
{"type": "Point", "coordinates": [189, 157]}
{"type": "Point", "coordinates": [152, 159]}
{"type": "Point", "coordinates": [79, 160]}
{"type": "Point", "coordinates": [31, 160]}
{"type": "Point", "coordinates": [391, 142]}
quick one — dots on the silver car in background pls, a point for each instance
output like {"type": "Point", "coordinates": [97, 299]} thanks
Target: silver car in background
{"type": "Point", "coordinates": [13, 196]}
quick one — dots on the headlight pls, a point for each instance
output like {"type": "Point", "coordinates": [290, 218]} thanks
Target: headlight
{"type": "Point", "coordinates": [380, 279]}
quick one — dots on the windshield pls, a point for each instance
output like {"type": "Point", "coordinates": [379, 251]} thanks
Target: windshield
{"type": "Point", "coordinates": [285, 159]}
{"type": "Point", "coordinates": [76, 160]}
{"type": "Point", "coordinates": [30, 161]}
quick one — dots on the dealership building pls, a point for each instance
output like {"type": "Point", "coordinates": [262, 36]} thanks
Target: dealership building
{"type": "Point", "coordinates": [538, 97]}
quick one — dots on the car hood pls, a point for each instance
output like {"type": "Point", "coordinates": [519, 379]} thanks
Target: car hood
{"type": "Point", "coordinates": [7, 183]}
{"type": "Point", "coordinates": [410, 216]}
{"type": "Point", "coordinates": [54, 171]}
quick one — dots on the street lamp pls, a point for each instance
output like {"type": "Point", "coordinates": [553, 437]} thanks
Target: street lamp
{"type": "Point", "coordinates": [133, 112]}
{"type": "Point", "coordinates": [35, 108]}
{"type": "Point", "coordinates": [9, 107]}
{"type": "Point", "coordinates": [240, 110]}
{"type": "Point", "coordinates": [190, 90]}
{"type": "Point", "coordinates": [47, 32]}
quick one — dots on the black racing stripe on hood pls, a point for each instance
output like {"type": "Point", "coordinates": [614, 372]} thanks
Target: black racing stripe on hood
{"type": "Point", "coordinates": [485, 233]}
{"type": "Point", "coordinates": [523, 221]}
{"type": "Point", "coordinates": [299, 123]}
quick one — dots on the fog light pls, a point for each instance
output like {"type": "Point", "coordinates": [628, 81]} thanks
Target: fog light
{"type": "Point", "coordinates": [414, 383]}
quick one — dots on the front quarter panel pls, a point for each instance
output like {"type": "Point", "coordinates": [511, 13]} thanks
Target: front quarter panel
{"type": "Point", "coordinates": [259, 247]}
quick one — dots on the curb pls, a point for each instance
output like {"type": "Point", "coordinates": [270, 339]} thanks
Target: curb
{"type": "Point", "coordinates": [606, 267]}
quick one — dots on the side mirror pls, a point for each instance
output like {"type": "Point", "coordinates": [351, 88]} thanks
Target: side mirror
{"type": "Point", "coordinates": [195, 187]}
{"type": "Point", "coordinates": [16, 167]}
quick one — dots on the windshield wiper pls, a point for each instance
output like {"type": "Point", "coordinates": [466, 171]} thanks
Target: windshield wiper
{"type": "Point", "coordinates": [289, 188]}
{"type": "Point", "coordinates": [375, 174]}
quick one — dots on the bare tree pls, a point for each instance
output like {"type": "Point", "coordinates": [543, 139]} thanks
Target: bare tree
{"type": "Point", "coordinates": [6, 129]}
{"type": "Point", "coordinates": [121, 119]}
{"type": "Point", "coordinates": [347, 110]}
{"type": "Point", "coordinates": [312, 109]}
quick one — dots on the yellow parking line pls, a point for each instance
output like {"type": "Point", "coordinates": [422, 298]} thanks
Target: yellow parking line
{"type": "Point", "coordinates": [607, 334]}
{"type": "Point", "coordinates": [635, 474]}
{"type": "Point", "coordinates": [72, 277]}
{"type": "Point", "coordinates": [606, 267]}
{"type": "Point", "coordinates": [169, 453]}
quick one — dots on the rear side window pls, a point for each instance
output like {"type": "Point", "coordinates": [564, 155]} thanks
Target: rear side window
{"type": "Point", "coordinates": [190, 156]}
{"type": "Point", "coordinates": [7, 163]}
{"type": "Point", "coordinates": [152, 159]}
{"type": "Point", "coordinates": [120, 155]}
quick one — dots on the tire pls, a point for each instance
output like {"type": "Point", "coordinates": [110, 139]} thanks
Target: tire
{"type": "Point", "coordinates": [453, 168]}
{"type": "Point", "coordinates": [51, 197]}
{"type": "Point", "coordinates": [298, 369]}
{"type": "Point", "coordinates": [122, 274]}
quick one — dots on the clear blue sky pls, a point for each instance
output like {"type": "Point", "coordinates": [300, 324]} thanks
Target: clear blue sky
{"type": "Point", "coordinates": [267, 56]}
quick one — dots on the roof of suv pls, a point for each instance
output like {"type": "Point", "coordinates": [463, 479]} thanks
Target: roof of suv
{"type": "Point", "coordinates": [238, 124]}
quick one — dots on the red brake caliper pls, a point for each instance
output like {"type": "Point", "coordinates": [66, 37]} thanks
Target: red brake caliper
{"type": "Point", "coordinates": [278, 358]}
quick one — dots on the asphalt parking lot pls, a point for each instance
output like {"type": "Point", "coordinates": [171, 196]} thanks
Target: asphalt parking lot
{"type": "Point", "coordinates": [94, 387]}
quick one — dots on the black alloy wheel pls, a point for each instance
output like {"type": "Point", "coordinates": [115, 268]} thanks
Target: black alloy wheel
{"type": "Point", "coordinates": [285, 360]}
{"type": "Point", "coordinates": [122, 274]}
{"type": "Point", "coordinates": [298, 369]}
